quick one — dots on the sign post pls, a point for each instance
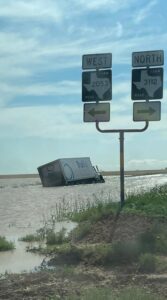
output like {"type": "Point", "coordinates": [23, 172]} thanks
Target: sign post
{"type": "Point", "coordinates": [147, 84]}
{"type": "Point", "coordinates": [122, 181]}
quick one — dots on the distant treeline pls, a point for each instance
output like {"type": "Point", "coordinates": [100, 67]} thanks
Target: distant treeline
{"type": "Point", "coordinates": [135, 172]}
{"type": "Point", "coordinates": [19, 176]}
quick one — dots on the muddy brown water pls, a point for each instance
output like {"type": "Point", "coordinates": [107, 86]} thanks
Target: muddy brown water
{"type": "Point", "coordinates": [26, 206]}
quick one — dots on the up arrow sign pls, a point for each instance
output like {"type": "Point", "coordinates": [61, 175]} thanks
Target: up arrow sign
{"type": "Point", "coordinates": [96, 112]}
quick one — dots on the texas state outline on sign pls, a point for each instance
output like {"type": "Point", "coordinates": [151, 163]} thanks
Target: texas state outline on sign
{"type": "Point", "coordinates": [101, 88]}
{"type": "Point", "coordinates": [150, 88]}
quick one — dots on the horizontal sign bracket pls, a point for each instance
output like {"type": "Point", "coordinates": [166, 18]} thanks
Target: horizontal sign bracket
{"type": "Point", "coordinates": [121, 130]}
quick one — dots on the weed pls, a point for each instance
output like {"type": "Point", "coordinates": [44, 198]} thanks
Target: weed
{"type": "Point", "coordinates": [136, 293]}
{"type": "Point", "coordinates": [31, 238]}
{"type": "Point", "coordinates": [154, 240]}
{"type": "Point", "coordinates": [147, 241]}
{"type": "Point", "coordinates": [53, 238]}
{"type": "Point", "coordinates": [125, 252]}
{"type": "Point", "coordinates": [152, 203]}
{"type": "Point", "coordinates": [161, 264]}
{"type": "Point", "coordinates": [80, 231]}
{"type": "Point", "coordinates": [92, 293]}
{"type": "Point", "coordinates": [147, 263]}
{"type": "Point", "coordinates": [5, 245]}
{"type": "Point", "coordinates": [96, 212]}
{"type": "Point", "coordinates": [69, 255]}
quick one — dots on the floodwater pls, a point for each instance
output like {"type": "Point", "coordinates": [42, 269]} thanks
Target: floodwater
{"type": "Point", "coordinates": [26, 206]}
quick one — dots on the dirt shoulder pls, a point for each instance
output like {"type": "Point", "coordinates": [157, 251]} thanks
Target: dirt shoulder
{"type": "Point", "coordinates": [63, 283]}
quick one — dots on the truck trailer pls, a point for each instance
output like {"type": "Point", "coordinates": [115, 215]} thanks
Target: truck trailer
{"type": "Point", "coordinates": [69, 171]}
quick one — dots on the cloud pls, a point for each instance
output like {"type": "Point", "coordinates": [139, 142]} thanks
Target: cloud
{"type": "Point", "coordinates": [113, 5]}
{"type": "Point", "coordinates": [9, 92]}
{"type": "Point", "coordinates": [60, 121]}
{"type": "Point", "coordinates": [35, 9]}
{"type": "Point", "coordinates": [144, 12]}
{"type": "Point", "coordinates": [146, 164]}
{"type": "Point", "coordinates": [57, 122]}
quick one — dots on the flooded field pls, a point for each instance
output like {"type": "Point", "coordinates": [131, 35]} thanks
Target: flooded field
{"type": "Point", "coordinates": [25, 205]}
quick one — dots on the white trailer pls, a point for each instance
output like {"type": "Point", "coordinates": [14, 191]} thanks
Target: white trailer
{"type": "Point", "coordinates": [66, 171]}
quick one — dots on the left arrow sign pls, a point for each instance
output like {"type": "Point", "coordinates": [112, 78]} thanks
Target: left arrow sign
{"type": "Point", "coordinates": [94, 112]}
{"type": "Point", "coordinates": [97, 112]}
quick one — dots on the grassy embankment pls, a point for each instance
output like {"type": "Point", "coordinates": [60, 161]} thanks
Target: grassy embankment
{"type": "Point", "coordinates": [145, 253]}
{"type": "Point", "coordinates": [152, 205]}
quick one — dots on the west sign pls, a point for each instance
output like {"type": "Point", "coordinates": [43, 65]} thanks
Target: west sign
{"type": "Point", "coordinates": [97, 61]}
{"type": "Point", "coordinates": [96, 86]}
{"type": "Point", "coordinates": [147, 84]}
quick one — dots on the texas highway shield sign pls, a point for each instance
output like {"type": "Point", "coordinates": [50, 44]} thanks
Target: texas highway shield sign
{"type": "Point", "coordinates": [96, 86]}
{"type": "Point", "coordinates": [96, 112]}
{"type": "Point", "coordinates": [147, 84]}
{"type": "Point", "coordinates": [147, 111]}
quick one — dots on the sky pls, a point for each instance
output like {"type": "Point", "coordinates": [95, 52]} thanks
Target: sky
{"type": "Point", "coordinates": [41, 108]}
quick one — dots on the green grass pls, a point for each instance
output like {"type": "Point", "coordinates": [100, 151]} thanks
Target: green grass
{"type": "Point", "coordinates": [5, 245]}
{"type": "Point", "coordinates": [152, 203]}
{"type": "Point", "coordinates": [154, 240]}
{"type": "Point", "coordinates": [49, 236]}
{"type": "Point", "coordinates": [137, 253]}
{"type": "Point", "coordinates": [31, 238]}
{"type": "Point", "coordinates": [147, 263]}
{"type": "Point", "coordinates": [80, 231]}
{"type": "Point", "coordinates": [136, 293]}
{"type": "Point", "coordinates": [57, 238]}
{"type": "Point", "coordinates": [133, 293]}
{"type": "Point", "coordinates": [96, 212]}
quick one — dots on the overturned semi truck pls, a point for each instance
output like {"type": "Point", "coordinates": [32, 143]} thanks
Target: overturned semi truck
{"type": "Point", "coordinates": [68, 171]}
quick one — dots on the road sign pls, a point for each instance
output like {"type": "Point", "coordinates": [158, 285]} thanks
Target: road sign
{"type": "Point", "coordinates": [96, 86]}
{"type": "Point", "coordinates": [147, 111]}
{"type": "Point", "coordinates": [147, 84]}
{"type": "Point", "coordinates": [96, 112]}
{"type": "Point", "coordinates": [148, 58]}
{"type": "Point", "coordinates": [97, 61]}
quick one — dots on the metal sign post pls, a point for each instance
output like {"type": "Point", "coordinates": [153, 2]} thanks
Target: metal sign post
{"type": "Point", "coordinates": [147, 84]}
{"type": "Point", "coordinates": [121, 139]}
{"type": "Point", "coordinates": [122, 184]}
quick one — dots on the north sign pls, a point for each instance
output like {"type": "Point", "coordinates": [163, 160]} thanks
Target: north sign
{"type": "Point", "coordinates": [148, 58]}
{"type": "Point", "coordinates": [96, 86]}
{"type": "Point", "coordinates": [147, 84]}
{"type": "Point", "coordinates": [96, 112]}
{"type": "Point", "coordinates": [147, 111]}
{"type": "Point", "coordinates": [97, 61]}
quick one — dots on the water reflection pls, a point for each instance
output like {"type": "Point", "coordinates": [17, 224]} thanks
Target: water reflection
{"type": "Point", "coordinates": [18, 260]}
